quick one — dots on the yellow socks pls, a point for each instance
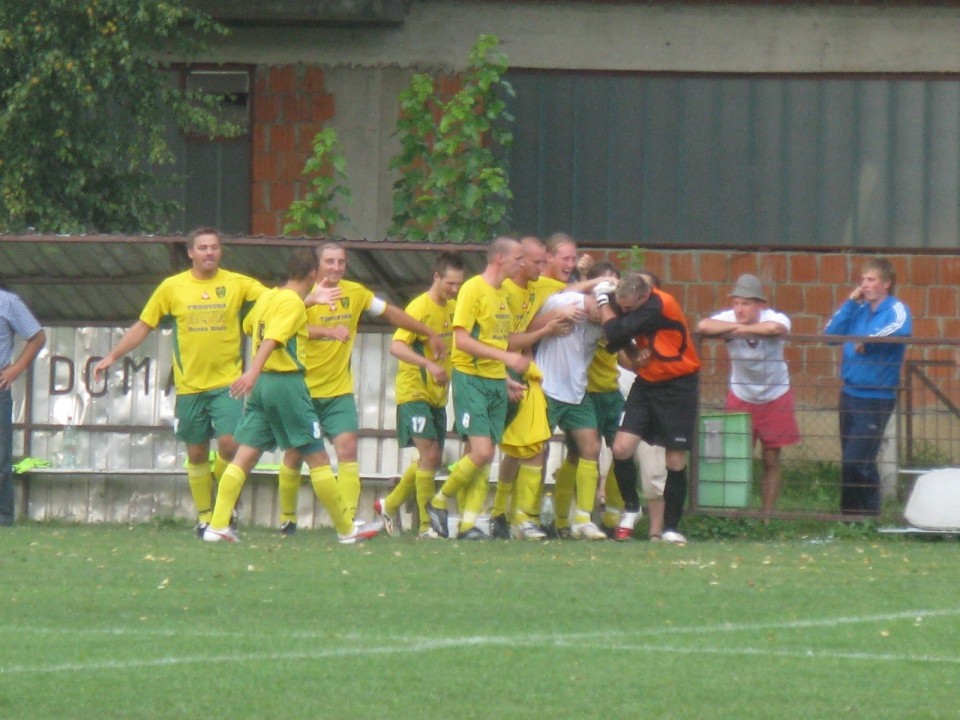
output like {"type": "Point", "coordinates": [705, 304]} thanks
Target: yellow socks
{"type": "Point", "coordinates": [231, 483]}
{"type": "Point", "coordinates": [475, 498]}
{"type": "Point", "coordinates": [327, 488]}
{"type": "Point", "coordinates": [403, 490]}
{"type": "Point", "coordinates": [201, 488]}
{"type": "Point", "coordinates": [528, 490]}
{"type": "Point", "coordinates": [426, 484]}
{"type": "Point", "coordinates": [348, 475]}
{"type": "Point", "coordinates": [288, 493]}
{"type": "Point", "coordinates": [587, 479]}
{"type": "Point", "coordinates": [219, 465]}
{"type": "Point", "coordinates": [565, 479]}
{"type": "Point", "coordinates": [461, 476]}
{"type": "Point", "coordinates": [613, 503]}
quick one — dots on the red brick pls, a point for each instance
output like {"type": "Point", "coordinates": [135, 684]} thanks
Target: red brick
{"type": "Point", "coordinates": [322, 108]}
{"type": "Point", "coordinates": [951, 327]}
{"type": "Point", "coordinates": [834, 268]}
{"type": "Point", "coordinates": [282, 138]}
{"type": "Point", "coordinates": [655, 262]}
{"type": "Point", "coordinates": [942, 301]}
{"type": "Point", "coordinates": [281, 196]}
{"type": "Point", "coordinates": [926, 327]}
{"type": "Point", "coordinates": [772, 268]}
{"type": "Point", "coordinates": [448, 85]}
{"type": "Point", "coordinates": [923, 270]}
{"type": "Point", "coordinates": [915, 298]}
{"type": "Point", "coordinates": [714, 267]}
{"type": "Point", "coordinates": [806, 324]}
{"type": "Point", "coordinates": [295, 108]}
{"type": "Point", "coordinates": [266, 109]}
{"type": "Point", "coordinates": [265, 223]}
{"type": "Point", "coordinates": [803, 268]}
{"type": "Point", "coordinates": [818, 300]}
{"type": "Point", "coordinates": [260, 197]}
{"type": "Point", "coordinates": [741, 263]}
{"type": "Point", "coordinates": [306, 132]}
{"type": "Point", "coordinates": [787, 298]}
{"type": "Point", "coordinates": [289, 167]}
{"type": "Point", "coordinates": [948, 270]}
{"type": "Point", "coordinates": [283, 79]}
{"type": "Point", "coordinates": [313, 80]}
{"type": "Point", "coordinates": [264, 167]}
{"type": "Point", "coordinates": [702, 300]}
{"type": "Point", "coordinates": [260, 141]}
{"type": "Point", "coordinates": [682, 267]}
{"type": "Point", "coordinates": [261, 80]}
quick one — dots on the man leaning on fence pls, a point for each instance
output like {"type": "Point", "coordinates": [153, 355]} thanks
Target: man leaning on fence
{"type": "Point", "coordinates": [759, 378]}
{"type": "Point", "coordinates": [871, 375]}
{"type": "Point", "coordinates": [15, 319]}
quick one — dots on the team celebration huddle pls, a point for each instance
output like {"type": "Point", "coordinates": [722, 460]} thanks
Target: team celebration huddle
{"type": "Point", "coordinates": [531, 345]}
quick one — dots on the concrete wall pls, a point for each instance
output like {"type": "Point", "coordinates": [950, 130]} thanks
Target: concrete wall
{"type": "Point", "coordinates": [701, 37]}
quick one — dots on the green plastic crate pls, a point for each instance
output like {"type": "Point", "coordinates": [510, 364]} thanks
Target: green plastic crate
{"type": "Point", "coordinates": [725, 460]}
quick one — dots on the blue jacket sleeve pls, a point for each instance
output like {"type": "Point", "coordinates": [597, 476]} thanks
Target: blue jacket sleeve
{"type": "Point", "coordinates": [840, 322]}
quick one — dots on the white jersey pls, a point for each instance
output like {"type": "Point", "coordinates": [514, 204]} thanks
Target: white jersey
{"type": "Point", "coordinates": [758, 372]}
{"type": "Point", "coordinates": [564, 359]}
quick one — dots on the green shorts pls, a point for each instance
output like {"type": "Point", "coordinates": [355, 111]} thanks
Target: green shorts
{"type": "Point", "coordinates": [422, 421]}
{"type": "Point", "coordinates": [608, 409]}
{"type": "Point", "coordinates": [337, 415]}
{"type": "Point", "coordinates": [567, 416]}
{"type": "Point", "coordinates": [279, 414]}
{"type": "Point", "coordinates": [205, 415]}
{"type": "Point", "coordinates": [480, 406]}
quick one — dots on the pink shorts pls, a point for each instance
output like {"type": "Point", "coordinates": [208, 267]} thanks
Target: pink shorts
{"type": "Point", "coordinates": [774, 423]}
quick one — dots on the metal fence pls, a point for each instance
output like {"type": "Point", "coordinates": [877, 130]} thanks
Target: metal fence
{"type": "Point", "coordinates": [923, 433]}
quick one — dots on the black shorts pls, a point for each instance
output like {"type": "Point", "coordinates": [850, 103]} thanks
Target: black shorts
{"type": "Point", "coordinates": [663, 413]}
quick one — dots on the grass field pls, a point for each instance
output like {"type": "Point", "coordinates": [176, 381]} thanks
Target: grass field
{"type": "Point", "coordinates": [148, 622]}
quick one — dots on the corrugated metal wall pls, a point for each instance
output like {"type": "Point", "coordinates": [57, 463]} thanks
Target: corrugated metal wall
{"type": "Point", "coordinates": [779, 161]}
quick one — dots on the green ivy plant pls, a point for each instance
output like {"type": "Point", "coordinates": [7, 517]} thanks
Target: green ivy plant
{"type": "Point", "coordinates": [318, 211]}
{"type": "Point", "coordinates": [452, 187]}
{"type": "Point", "coordinates": [85, 111]}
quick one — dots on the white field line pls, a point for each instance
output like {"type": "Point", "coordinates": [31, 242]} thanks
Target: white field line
{"type": "Point", "coordinates": [612, 639]}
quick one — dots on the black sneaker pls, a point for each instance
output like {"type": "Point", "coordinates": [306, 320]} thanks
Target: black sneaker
{"type": "Point", "coordinates": [200, 529]}
{"type": "Point", "coordinates": [438, 520]}
{"type": "Point", "coordinates": [288, 529]}
{"type": "Point", "coordinates": [499, 527]}
{"type": "Point", "coordinates": [473, 533]}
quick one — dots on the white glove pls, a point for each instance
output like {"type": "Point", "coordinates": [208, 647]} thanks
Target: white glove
{"type": "Point", "coordinates": [603, 290]}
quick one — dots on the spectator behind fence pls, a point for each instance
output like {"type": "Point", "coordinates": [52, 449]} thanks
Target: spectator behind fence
{"type": "Point", "coordinates": [871, 375]}
{"type": "Point", "coordinates": [759, 378]}
{"type": "Point", "coordinates": [15, 319]}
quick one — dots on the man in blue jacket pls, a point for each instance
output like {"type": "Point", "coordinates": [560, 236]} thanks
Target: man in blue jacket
{"type": "Point", "coordinates": [871, 374]}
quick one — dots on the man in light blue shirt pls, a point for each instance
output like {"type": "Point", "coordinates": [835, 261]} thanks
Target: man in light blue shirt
{"type": "Point", "coordinates": [871, 375]}
{"type": "Point", "coordinates": [15, 319]}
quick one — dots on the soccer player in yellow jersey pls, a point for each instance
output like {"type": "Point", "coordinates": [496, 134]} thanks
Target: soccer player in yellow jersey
{"type": "Point", "coordinates": [481, 389]}
{"type": "Point", "coordinates": [333, 330]}
{"type": "Point", "coordinates": [422, 389]}
{"type": "Point", "coordinates": [204, 305]}
{"type": "Point", "coordinates": [279, 411]}
{"type": "Point", "coordinates": [527, 431]}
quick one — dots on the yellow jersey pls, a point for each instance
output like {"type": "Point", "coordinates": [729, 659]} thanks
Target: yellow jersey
{"type": "Point", "coordinates": [413, 383]}
{"type": "Point", "coordinates": [280, 315]}
{"type": "Point", "coordinates": [205, 316]}
{"type": "Point", "coordinates": [603, 374]}
{"type": "Point", "coordinates": [483, 311]}
{"type": "Point", "coordinates": [526, 302]}
{"type": "Point", "coordinates": [328, 361]}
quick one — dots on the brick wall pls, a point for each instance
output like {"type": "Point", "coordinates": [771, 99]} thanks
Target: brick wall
{"type": "Point", "coordinates": [809, 287]}
{"type": "Point", "coordinates": [289, 107]}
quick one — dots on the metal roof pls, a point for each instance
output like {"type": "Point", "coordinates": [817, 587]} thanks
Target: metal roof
{"type": "Point", "coordinates": [106, 279]}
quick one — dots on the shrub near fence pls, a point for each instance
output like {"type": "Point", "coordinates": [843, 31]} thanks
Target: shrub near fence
{"type": "Point", "coordinates": [923, 433]}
